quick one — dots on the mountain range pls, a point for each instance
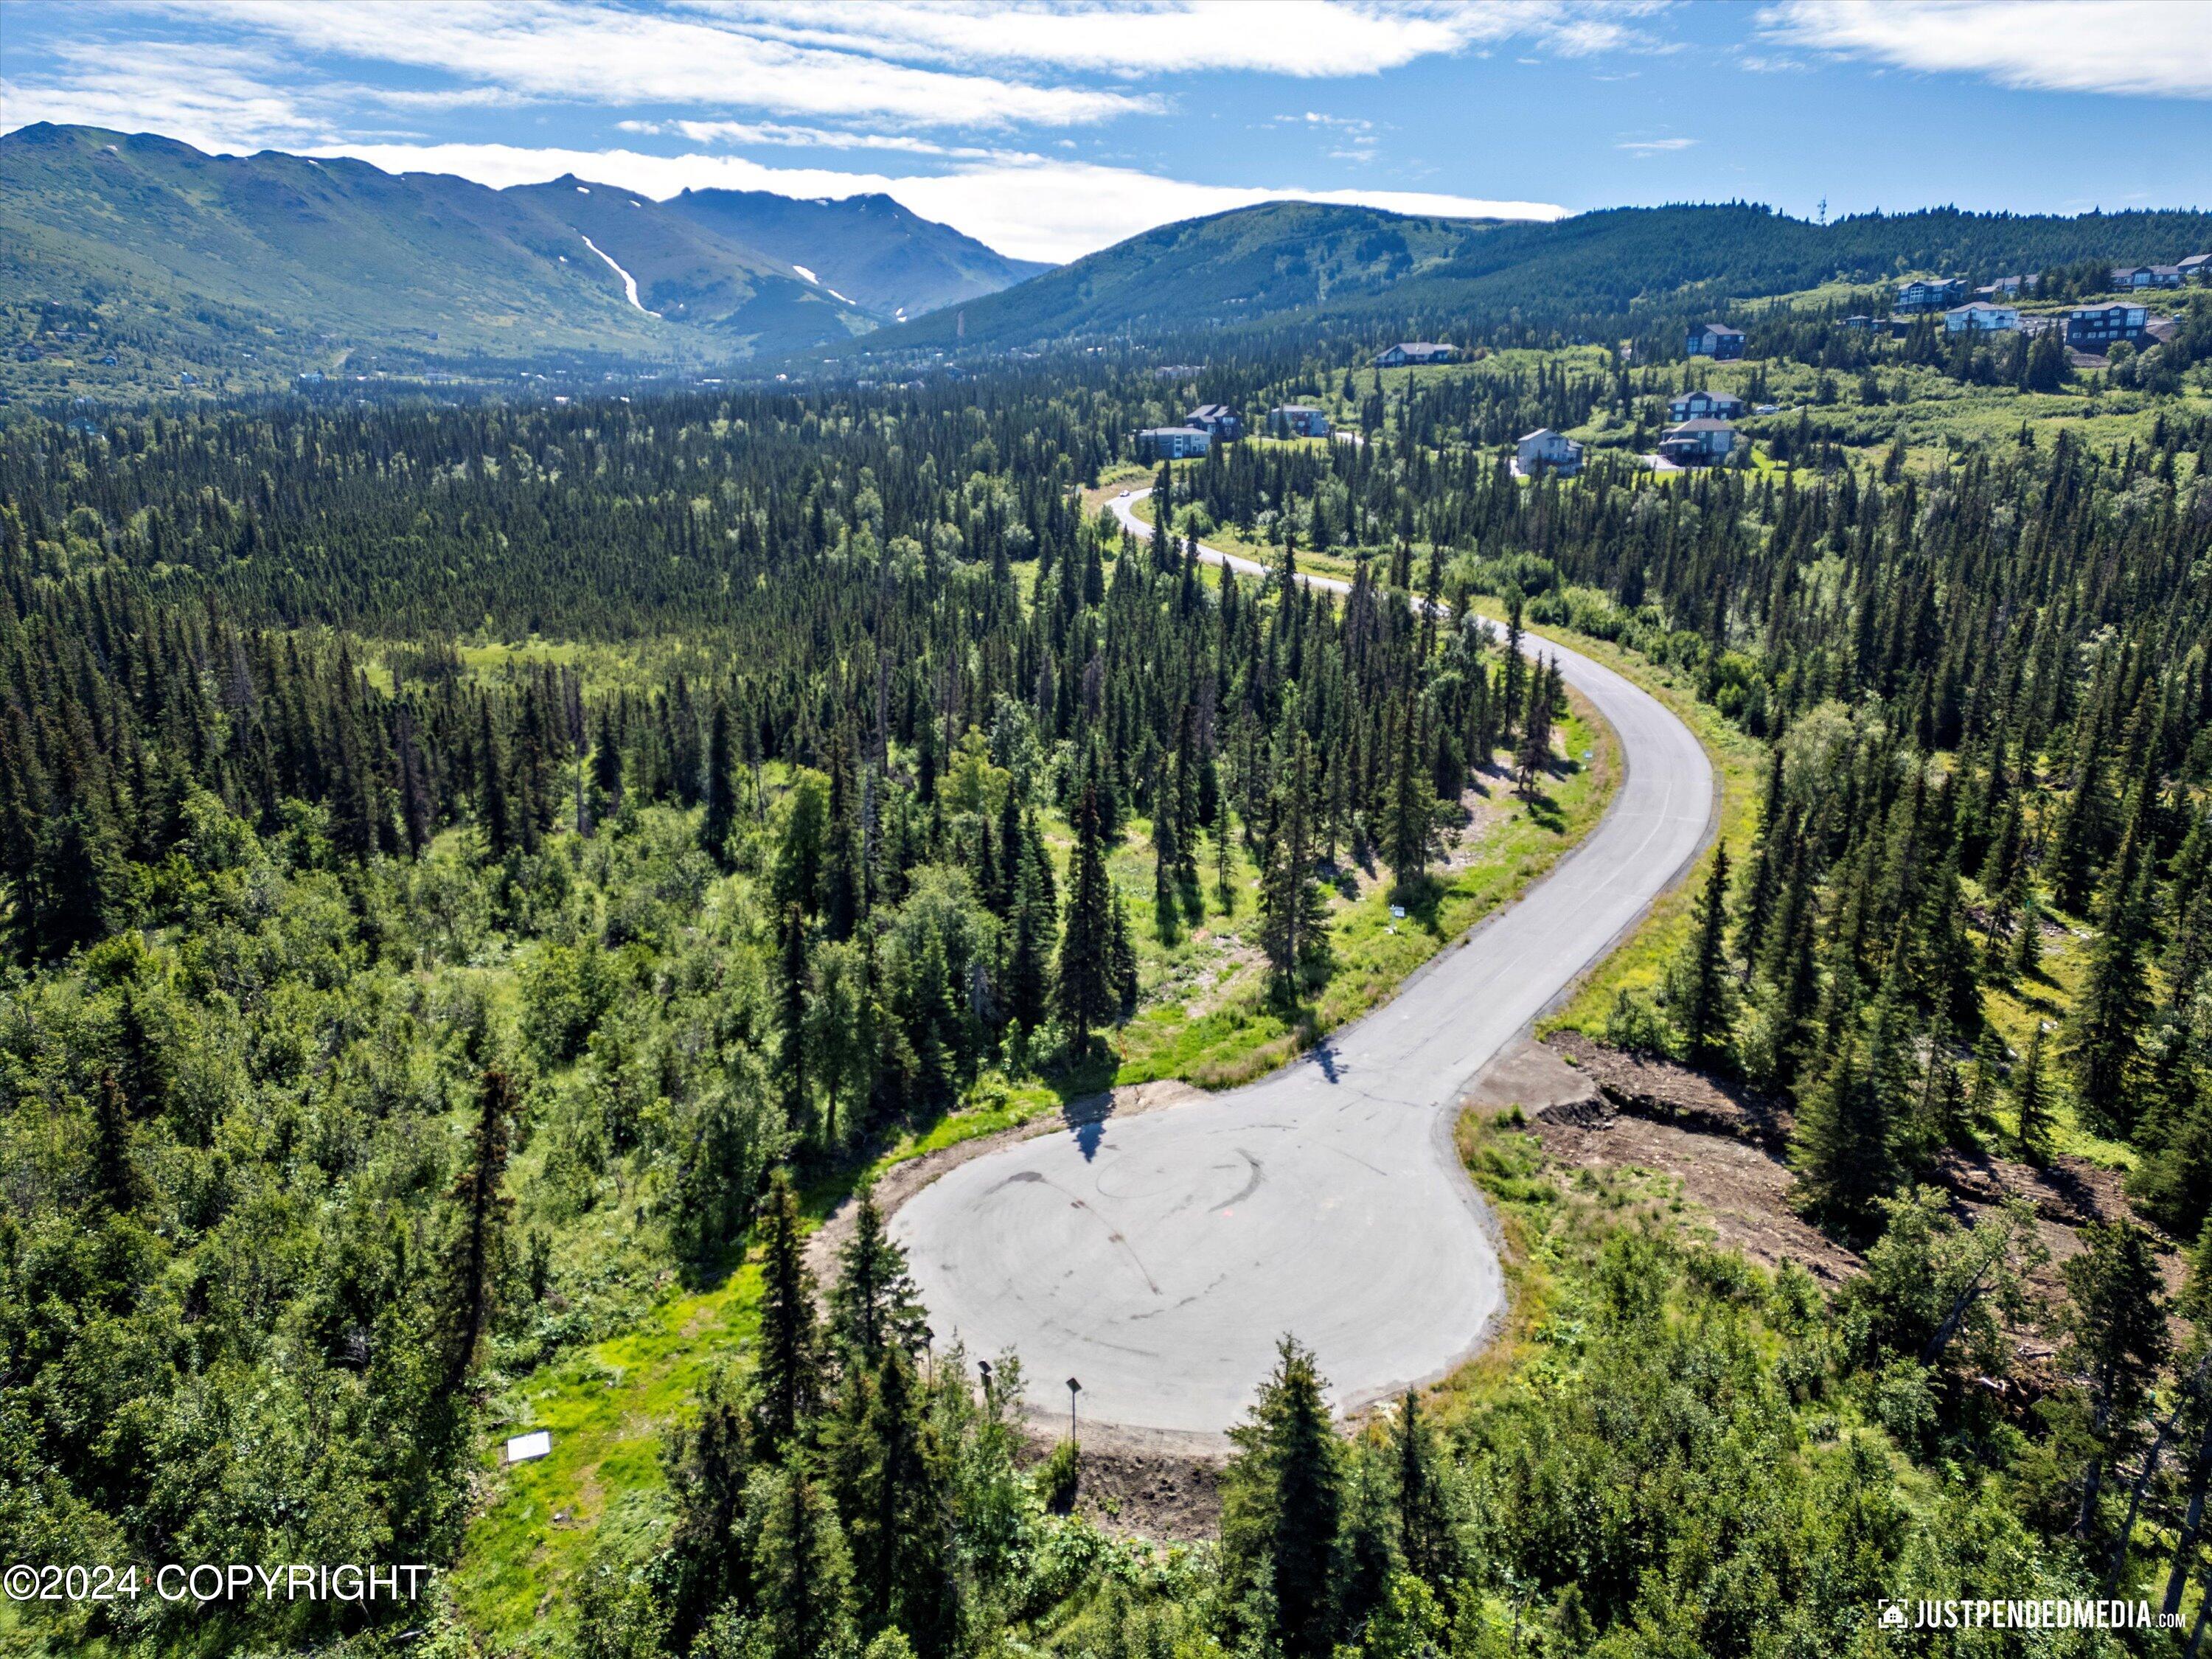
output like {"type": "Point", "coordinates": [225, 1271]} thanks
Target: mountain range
{"type": "Point", "coordinates": [129, 263]}
{"type": "Point", "coordinates": [325, 260]}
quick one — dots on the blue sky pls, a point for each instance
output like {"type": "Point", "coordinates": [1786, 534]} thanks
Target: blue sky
{"type": "Point", "coordinates": [1049, 130]}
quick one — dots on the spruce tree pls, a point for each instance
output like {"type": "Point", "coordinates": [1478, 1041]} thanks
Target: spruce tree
{"type": "Point", "coordinates": [2032, 1097]}
{"type": "Point", "coordinates": [478, 1251]}
{"type": "Point", "coordinates": [794, 986]}
{"type": "Point", "coordinates": [709, 1461]}
{"type": "Point", "coordinates": [1282, 1509]}
{"type": "Point", "coordinates": [1413, 806]}
{"type": "Point", "coordinates": [1167, 858]}
{"type": "Point", "coordinates": [1705, 991]}
{"type": "Point", "coordinates": [1085, 995]}
{"type": "Point", "coordinates": [788, 1379]}
{"type": "Point", "coordinates": [874, 1306]}
{"type": "Point", "coordinates": [897, 1498]}
{"type": "Point", "coordinates": [2114, 1006]}
{"type": "Point", "coordinates": [720, 817]}
{"type": "Point", "coordinates": [1843, 1155]}
{"type": "Point", "coordinates": [802, 1574]}
{"type": "Point", "coordinates": [1294, 914]}
{"type": "Point", "coordinates": [607, 765]}
{"type": "Point", "coordinates": [1425, 1532]}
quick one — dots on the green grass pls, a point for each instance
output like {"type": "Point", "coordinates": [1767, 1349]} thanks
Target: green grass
{"type": "Point", "coordinates": [609, 1406]}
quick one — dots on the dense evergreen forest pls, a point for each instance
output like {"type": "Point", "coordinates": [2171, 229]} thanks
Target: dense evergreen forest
{"type": "Point", "coordinates": [391, 1010]}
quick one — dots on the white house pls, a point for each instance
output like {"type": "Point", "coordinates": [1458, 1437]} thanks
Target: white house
{"type": "Point", "coordinates": [1982, 318]}
{"type": "Point", "coordinates": [1546, 451]}
{"type": "Point", "coordinates": [1172, 443]}
{"type": "Point", "coordinates": [1688, 405]}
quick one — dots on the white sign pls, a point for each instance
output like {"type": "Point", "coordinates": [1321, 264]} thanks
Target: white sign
{"type": "Point", "coordinates": [538, 1442]}
{"type": "Point", "coordinates": [1397, 913]}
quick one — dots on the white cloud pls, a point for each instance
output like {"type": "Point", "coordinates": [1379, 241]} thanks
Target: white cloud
{"type": "Point", "coordinates": [783, 135]}
{"type": "Point", "coordinates": [1653, 146]}
{"type": "Point", "coordinates": [1304, 38]}
{"type": "Point", "coordinates": [1033, 209]}
{"type": "Point", "coordinates": [2159, 48]}
{"type": "Point", "coordinates": [211, 97]}
{"type": "Point", "coordinates": [604, 54]}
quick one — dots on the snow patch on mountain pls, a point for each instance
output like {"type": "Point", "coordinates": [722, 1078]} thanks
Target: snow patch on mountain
{"type": "Point", "coordinates": [629, 281]}
{"type": "Point", "coordinates": [807, 274]}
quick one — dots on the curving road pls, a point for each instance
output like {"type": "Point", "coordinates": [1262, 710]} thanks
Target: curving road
{"type": "Point", "coordinates": [1159, 1258]}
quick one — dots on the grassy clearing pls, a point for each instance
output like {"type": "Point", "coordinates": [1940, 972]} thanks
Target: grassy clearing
{"type": "Point", "coordinates": [1552, 1228]}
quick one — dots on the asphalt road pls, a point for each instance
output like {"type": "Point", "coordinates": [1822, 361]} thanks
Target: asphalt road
{"type": "Point", "coordinates": [1158, 1259]}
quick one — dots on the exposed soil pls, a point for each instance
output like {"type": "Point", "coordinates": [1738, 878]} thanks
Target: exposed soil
{"type": "Point", "coordinates": [1727, 1145]}
{"type": "Point", "coordinates": [1137, 1488]}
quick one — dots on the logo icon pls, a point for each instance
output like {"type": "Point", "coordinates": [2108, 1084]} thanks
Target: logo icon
{"type": "Point", "coordinates": [1893, 1614]}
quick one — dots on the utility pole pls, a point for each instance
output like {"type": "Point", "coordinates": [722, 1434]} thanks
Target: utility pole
{"type": "Point", "coordinates": [1824, 209]}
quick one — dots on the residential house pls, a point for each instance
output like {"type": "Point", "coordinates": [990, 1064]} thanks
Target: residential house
{"type": "Point", "coordinates": [1218, 421]}
{"type": "Point", "coordinates": [2131, 276]}
{"type": "Point", "coordinates": [1714, 340]}
{"type": "Point", "coordinates": [2093, 328]}
{"type": "Point", "coordinates": [1688, 405]}
{"type": "Point", "coordinates": [1546, 451]}
{"type": "Point", "coordinates": [1859, 320]}
{"type": "Point", "coordinates": [1931, 294]}
{"type": "Point", "coordinates": [1982, 318]}
{"type": "Point", "coordinates": [1408, 352]}
{"type": "Point", "coordinates": [2010, 286]}
{"type": "Point", "coordinates": [1176, 371]}
{"type": "Point", "coordinates": [2196, 268]}
{"type": "Point", "coordinates": [1172, 443]}
{"type": "Point", "coordinates": [1703, 442]}
{"type": "Point", "coordinates": [1297, 420]}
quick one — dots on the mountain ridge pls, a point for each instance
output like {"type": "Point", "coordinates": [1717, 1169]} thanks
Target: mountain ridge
{"type": "Point", "coordinates": [231, 263]}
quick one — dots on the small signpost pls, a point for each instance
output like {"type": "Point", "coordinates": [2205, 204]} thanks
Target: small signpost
{"type": "Point", "coordinates": [1074, 1388]}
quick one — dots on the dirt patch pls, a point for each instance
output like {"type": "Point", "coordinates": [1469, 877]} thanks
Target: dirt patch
{"type": "Point", "coordinates": [1743, 1188]}
{"type": "Point", "coordinates": [1727, 1145]}
{"type": "Point", "coordinates": [1658, 1089]}
{"type": "Point", "coordinates": [1139, 1483]}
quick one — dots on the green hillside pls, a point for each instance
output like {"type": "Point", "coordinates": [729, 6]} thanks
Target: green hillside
{"type": "Point", "coordinates": [1282, 262]}
{"type": "Point", "coordinates": [1223, 271]}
